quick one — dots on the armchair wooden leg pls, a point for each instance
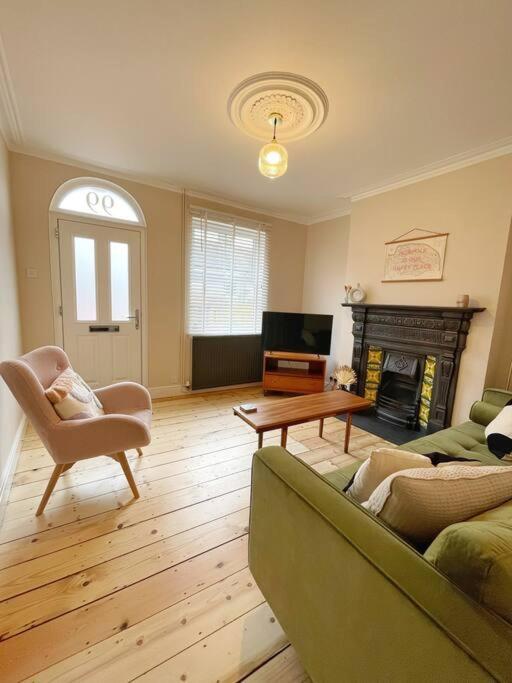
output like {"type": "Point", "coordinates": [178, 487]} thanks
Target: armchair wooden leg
{"type": "Point", "coordinates": [122, 460]}
{"type": "Point", "coordinates": [67, 467]}
{"type": "Point", "coordinates": [58, 470]}
{"type": "Point", "coordinates": [139, 451]}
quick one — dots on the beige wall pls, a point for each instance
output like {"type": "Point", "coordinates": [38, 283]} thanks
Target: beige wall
{"type": "Point", "coordinates": [500, 358]}
{"type": "Point", "coordinates": [474, 205]}
{"type": "Point", "coordinates": [34, 182]}
{"type": "Point", "coordinates": [324, 275]}
{"type": "Point", "coordinates": [10, 338]}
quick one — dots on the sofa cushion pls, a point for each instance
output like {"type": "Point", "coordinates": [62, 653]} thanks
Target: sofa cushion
{"type": "Point", "coordinates": [466, 440]}
{"type": "Point", "coordinates": [381, 463]}
{"type": "Point", "coordinates": [419, 503]}
{"type": "Point", "coordinates": [477, 556]}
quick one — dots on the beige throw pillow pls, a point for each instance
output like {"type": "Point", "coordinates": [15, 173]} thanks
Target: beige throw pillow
{"type": "Point", "coordinates": [419, 503]}
{"type": "Point", "coordinates": [72, 398]}
{"type": "Point", "coordinates": [381, 463]}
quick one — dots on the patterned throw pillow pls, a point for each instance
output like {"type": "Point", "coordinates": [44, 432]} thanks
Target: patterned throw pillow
{"type": "Point", "coordinates": [72, 398]}
{"type": "Point", "coordinates": [499, 433]}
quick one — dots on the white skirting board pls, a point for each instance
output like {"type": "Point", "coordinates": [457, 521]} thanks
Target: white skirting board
{"type": "Point", "coordinates": [166, 392]}
{"type": "Point", "coordinates": [10, 467]}
{"type": "Point", "coordinates": [179, 390]}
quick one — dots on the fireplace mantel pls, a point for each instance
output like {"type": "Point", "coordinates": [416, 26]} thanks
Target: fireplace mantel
{"type": "Point", "coordinates": [417, 309]}
{"type": "Point", "coordinates": [428, 331]}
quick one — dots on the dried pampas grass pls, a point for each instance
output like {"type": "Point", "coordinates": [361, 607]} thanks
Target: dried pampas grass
{"type": "Point", "coordinates": [344, 376]}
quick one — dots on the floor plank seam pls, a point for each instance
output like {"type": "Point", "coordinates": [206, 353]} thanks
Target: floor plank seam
{"type": "Point", "coordinates": [125, 526]}
{"type": "Point", "coordinates": [200, 640]}
{"type": "Point", "coordinates": [172, 566]}
{"type": "Point", "coordinates": [145, 546]}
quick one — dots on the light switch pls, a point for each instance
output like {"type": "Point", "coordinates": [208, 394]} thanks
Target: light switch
{"type": "Point", "coordinates": [31, 272]}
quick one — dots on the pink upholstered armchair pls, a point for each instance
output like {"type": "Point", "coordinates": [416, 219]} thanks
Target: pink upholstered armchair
{"type": "Point", "coordinates": [126, 423]}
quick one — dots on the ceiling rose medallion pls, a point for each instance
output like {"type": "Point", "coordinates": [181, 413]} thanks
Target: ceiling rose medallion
{"type": "Point", "coordinates": [293, 104]}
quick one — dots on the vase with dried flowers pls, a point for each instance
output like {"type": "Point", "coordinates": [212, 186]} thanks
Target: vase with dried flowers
{"type": "Point", "coordinates": [344, 376]}
{"type": "Point", "coordinates": [348, 289]}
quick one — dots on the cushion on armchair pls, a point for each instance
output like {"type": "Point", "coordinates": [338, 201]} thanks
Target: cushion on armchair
{"type": "Point", "coordinates": [72, 397]}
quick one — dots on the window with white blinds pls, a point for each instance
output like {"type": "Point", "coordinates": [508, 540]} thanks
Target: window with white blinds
{"type": "Point", "coordinates": [228, 274]}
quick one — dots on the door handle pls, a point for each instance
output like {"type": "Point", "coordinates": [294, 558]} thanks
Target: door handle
{"type": "Point", "coordinates": [135, 317]}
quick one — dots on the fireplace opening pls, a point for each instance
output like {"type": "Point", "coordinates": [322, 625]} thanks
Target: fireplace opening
{"type": "Point", "coordinates": [398, 397]}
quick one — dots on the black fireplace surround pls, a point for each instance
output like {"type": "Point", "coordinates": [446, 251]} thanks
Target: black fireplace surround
{"type": "Point", "coordinates": [407, 335]}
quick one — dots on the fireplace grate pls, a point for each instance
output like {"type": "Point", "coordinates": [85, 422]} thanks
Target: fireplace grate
{"type": "Point", "coordinates": [398, 397]}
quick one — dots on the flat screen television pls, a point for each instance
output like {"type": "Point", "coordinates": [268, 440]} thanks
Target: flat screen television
{"type": "Point", "coordinates": [299, 332]}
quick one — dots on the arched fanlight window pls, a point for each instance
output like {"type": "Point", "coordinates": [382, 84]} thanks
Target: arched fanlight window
{"type": "Point", "coordinates": [94, 197]}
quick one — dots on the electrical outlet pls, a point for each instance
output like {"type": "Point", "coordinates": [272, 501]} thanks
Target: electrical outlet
{"type": "Point", "coordinates": [31, 273]}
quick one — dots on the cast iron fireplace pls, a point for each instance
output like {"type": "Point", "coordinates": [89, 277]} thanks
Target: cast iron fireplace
{"type": "Point", "coordinates": [407, 360]}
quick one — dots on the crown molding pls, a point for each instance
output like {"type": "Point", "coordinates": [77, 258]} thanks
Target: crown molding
{"type": "Point", "coordinates": [94, 168]}
{"type": "Point", "coordinates": [452, 163]}
{"type": "Point", "coordinates": [10, 122]}
{"type": "Point", "coordinates": [321, 218]}
{"type": "Point", "coordinates": [151, 182]}
{"type": "Point", "coordinates": [292, 217]}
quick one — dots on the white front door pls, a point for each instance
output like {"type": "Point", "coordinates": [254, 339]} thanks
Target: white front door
{"type": "Point", "coordinates": [100, 270]}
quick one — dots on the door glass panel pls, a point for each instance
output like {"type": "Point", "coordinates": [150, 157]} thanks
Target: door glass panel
{"type": "Point", "coordinates": [119, 281]}
{"type": "Point", "coordinates": [85, 278]}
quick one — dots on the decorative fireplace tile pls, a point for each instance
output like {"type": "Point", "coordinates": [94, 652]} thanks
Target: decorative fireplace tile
{"type": "Point", "coordinates": [427, 386]}
{"type": "Point", "coordinates": [373, 372]}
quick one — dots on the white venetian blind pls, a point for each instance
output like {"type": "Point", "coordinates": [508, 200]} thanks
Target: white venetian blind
{"type": "Point", "coordinates": [228, 274]}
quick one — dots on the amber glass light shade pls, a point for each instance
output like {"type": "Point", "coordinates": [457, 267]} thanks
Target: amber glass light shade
{"type": "Point", "coordinates": [273, 160]}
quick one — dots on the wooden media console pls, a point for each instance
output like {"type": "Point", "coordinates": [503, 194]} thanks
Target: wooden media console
{"type": "Point", "coordinates": [305, 376]}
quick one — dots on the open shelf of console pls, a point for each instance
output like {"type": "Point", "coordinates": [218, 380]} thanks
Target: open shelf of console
{"type": "Point", "coordinates": [294, 373]}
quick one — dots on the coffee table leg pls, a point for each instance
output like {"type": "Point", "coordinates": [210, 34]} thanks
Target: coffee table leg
{"type": "Point", "coordinates": [321, 428]}
{"type": "Point", "coordinates": [348, 425]}
{"type": "Point", "coordinates": [284, 436]}
{"type": "Point", "coordinates": [260, 440]}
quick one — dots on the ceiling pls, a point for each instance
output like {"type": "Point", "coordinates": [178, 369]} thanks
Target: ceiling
{"type": "Point", "coordinates": [141, 87]}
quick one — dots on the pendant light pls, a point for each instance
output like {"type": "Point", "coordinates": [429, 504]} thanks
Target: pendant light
{"type": "Point", "coordinates": [273, 159]}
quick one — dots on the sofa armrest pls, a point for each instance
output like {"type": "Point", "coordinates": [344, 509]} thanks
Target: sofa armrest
{"type": "Point", "coordinates": [354, 599]}
{"type": "Point", "coordinates": [484, 411]}
{"type": "Point", "coordinates": [497, 397]}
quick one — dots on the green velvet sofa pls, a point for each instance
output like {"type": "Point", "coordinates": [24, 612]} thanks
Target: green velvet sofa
{"type": "Point", "coordinates": [357, 602]}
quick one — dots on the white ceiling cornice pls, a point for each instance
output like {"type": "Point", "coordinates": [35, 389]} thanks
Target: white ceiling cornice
{"type": "Point", "coordinates": [153, 182]}
{"type": "Point", "coordinates": [293, 218]}
{"type": "Point", "coordinates": [321, 218]}
{"type": "Point", "coordinates": [95, 168]}
{"type": "Point", "coordinates": [475, 156]}
{"type": "Point", "coordinates": [453, 163]}
{"type": "Point", "coordinates": [10, 123]}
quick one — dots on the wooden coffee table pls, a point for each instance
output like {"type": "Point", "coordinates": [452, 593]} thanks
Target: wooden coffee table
{"type": "Point", "coordinates": [293, 411]}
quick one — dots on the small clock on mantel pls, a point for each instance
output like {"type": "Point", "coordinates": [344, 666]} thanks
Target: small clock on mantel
{"type": "Point", "coordinates": [357, 295]}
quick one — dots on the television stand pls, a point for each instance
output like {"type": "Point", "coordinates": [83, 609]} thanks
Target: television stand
{"type": "Point", "coordinates": [305, 376]}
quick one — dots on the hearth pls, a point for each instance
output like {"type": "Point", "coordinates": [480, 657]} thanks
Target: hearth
{"type": "Point", "coordinates": [407, 360]}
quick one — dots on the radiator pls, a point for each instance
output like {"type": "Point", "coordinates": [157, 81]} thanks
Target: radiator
{"type": "Point", "coordinates": [225, 360]}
